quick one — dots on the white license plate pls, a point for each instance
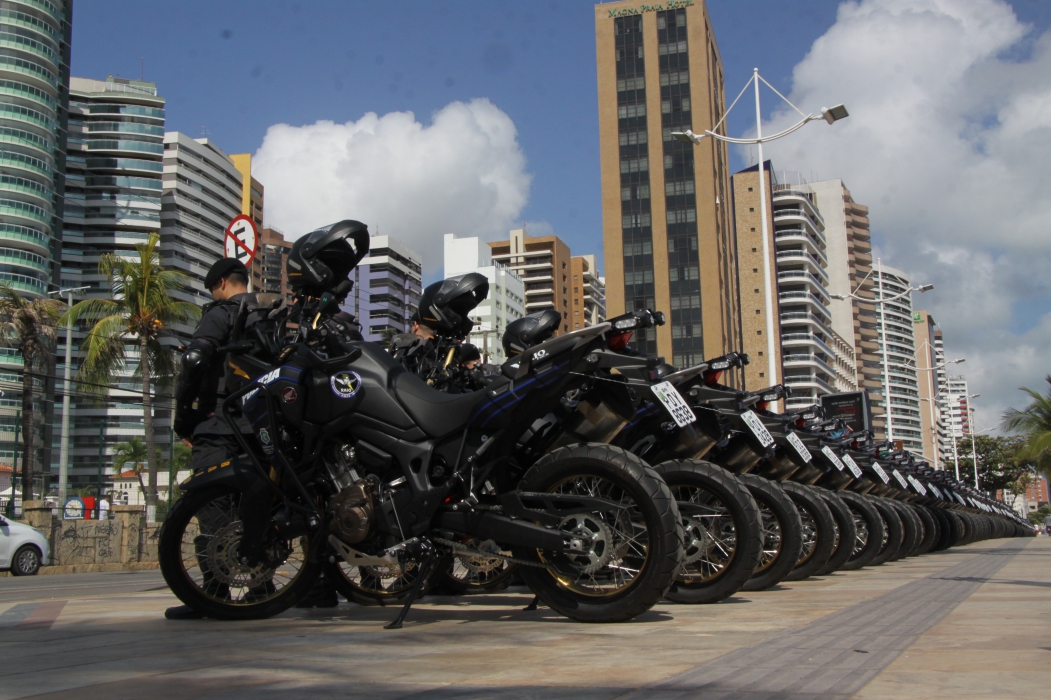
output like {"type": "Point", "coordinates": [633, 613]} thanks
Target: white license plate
{"type": "Point", "coordinates": [935, 491]}
{"type": "Point", "coordinates": [854, 468]}
{"type": "Point", "coordinates": [757, 428]}
{"type": "Point", "coordinates": [833, 457]}
{"type": "Point", "coordinates": [672, 400]}
{"type": "Point", "coordinates": [882, 474]}
{"type": "Point", "coordinates": [801, 449]}
{"type": "Point", "coordinates": [917, 485]}
{"type": "Point", "coordinates": [901, 479]}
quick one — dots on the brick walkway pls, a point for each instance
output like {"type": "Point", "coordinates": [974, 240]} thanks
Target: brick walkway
{"type": "Point", "coordinates": [974, 621]}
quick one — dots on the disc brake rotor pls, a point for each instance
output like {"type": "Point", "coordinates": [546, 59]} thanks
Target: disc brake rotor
{"type": "Point", "coordinates": [697, 540]}
{"type": "Point", "coordinates": [591, 541]}
{"type": "Point", "coordinates": [225, 566]}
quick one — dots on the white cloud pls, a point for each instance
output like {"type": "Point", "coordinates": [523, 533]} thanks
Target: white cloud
{"type": "Point", "coordinates": [464, 172]}
{"type": "Point", "coordinates": [948, 143]}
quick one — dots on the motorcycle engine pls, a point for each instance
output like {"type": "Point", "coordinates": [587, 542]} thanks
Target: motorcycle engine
{"type": "Point", "coordinates": [351, 511]}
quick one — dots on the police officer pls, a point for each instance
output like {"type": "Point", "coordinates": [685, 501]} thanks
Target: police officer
{"type": "Point", "coordinates": [201, 382]}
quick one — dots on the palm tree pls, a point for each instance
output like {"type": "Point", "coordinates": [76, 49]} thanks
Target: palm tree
{"type": "Point", "coordinates": [28, 325]}
{"type": "Point", "coordinates": [134, 451]}
{"type": "Point", "coordinates": [1035, 424]}
{"type": "Point", "coordinates": [141, 308]}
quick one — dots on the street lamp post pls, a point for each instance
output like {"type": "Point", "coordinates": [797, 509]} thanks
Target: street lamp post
{"type": "Point", "coordinates": [882, 301]}
{"type": "Point", "coordinates": [63, 459]}
{"type": "Point", "coordinates": [829, 115]}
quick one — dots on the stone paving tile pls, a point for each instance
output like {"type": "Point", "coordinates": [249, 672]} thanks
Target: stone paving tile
{"type": "Point", "coordinates": [486, 646]}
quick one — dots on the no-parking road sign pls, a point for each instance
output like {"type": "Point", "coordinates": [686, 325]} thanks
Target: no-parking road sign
{"type": "Point", "coordinates": [242, 239]}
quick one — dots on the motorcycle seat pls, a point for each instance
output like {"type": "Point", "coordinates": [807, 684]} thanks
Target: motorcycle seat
{"type": "Point", "coordinates": [438, 414]}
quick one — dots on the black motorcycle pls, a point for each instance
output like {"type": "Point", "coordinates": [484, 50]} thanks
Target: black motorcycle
{"type": "Point", "coordinates": [353, 458]}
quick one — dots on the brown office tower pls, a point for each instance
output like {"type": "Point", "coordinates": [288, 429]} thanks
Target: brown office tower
{"type": "Point", "coordinates": [268, 269]}
{"type": "Point", "coordinates": [666, 222]}
{"type": "Point", "coordinates": [543, 265]}
{"type": "Point", "coordinates": [588, 293]}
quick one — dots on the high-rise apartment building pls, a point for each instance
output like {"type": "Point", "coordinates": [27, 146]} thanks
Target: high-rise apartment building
{"type": "Point", "coordinates": [933, 386]}
{"type": "Point", "coordinates": [811, 357]}
{"type": "Point", "coordinates": [848, 247]}
{"type": "Point", "coordinates": [588, 292]}
{"type": "Point", "coordinates": [956, 420]}
{"type": "Point", "coordinates": [665, 205]}
{"type": "Point", "coordinates": [34, 101]}
{"type": "Point", "coordinates": [543, 264]}
{"type": "Point", "coordinates": [387, 288]}
{"type": "Point", "coordinates": [904, 420]}
{"type": "Point", "coordinates": [113, 203]}
{"type": "Point", "coordinates": [202, 193]}
{"type": "Point", "coordinates": [269, 273]}
{"type": "Point", "coordinates": [506, 300]}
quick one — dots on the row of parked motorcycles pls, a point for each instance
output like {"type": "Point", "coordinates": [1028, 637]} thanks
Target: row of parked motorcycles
{"type": "Point", "coordinates": [603, 479]}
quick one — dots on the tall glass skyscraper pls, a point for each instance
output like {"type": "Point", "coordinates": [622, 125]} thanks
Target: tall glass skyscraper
{"type": "Point", "coordinates": [34, 79]}
{"type": "Point", "coordinates": [112, 203]}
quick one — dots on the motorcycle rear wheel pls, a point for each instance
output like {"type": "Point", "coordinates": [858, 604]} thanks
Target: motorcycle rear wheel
{"type": "Point", "coordinates": [846, 532]}
{"type": "Point", "coordinates": [633, 552]}
{"type": "Point", "coordinates": [782, 532]}
{"type": "Point", "coordinates": [869, 530]}
{"type": "Point", "coordinates": [723, 541]}
{"type": "Point", "coordinates": [819, 531]}
{"type": "Point", "coordinates": [197, 550]}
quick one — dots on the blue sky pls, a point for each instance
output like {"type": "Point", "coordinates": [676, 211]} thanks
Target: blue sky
{"type": "Point", "coordinates": [236, 68]}
{"type": "Point", "coordinates": [948, 141]}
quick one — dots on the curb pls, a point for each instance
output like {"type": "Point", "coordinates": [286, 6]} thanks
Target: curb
{"type": "Point", "coordinates": [92, 568]}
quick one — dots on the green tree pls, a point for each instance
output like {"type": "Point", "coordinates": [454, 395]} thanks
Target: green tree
{"type": "Point", "coordinates": [999, 464]}
{"type": "Point", "coordinates": [134, 451]}
{"type": "Point", "coordinates": [1034, 423]}
{"type": "Point", "coordinates": [28, 325]}
{"type": "Point", "coordinates": [127, 329]}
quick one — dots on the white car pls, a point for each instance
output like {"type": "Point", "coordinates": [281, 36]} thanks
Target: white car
{"type": "Point", "coordinates": [23, 549]}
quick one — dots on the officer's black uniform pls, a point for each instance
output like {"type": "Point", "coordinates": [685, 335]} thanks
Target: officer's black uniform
{"type": "Point", "coordinates": [203, 381]}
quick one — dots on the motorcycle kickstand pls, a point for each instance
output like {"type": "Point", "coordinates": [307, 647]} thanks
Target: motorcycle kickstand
{"type": "Point", "coordinates": [532, 606]}
{"type": "Point", "coordinates": [425, 571]}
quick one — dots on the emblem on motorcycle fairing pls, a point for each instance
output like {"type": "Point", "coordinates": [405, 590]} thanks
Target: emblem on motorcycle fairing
{"type": "Point", "coordinates": [345, 384]}
{"type": "Point", "coordinates": [264, 436]}
{"type": "Point", "coordinates": [289, 394]}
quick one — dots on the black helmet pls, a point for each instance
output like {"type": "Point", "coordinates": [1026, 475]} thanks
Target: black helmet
{"type": "Point", "coordinates": [525, 332]}
{"type": "Point", "coordinates": [323, 258]}
{"type": "Point", "coordinates": [468, 352]}
{"type": "Point", "coordinates": [444, 305]}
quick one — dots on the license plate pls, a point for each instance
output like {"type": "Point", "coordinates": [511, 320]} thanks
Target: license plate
{"type": "Point", "coordinates": [901, 479]}
{"type": "Point", "coordinates": [833, 457]}
{"type": "Point", "coordinates": [854, 468]}
{"type": "Point", "coordinates": [917, 485]}
{"type": "Point", "coordinates": [935, 491]}
{"type": "Point", "coordinates": [672, 400]}
{"type": "Point", "coordinates": [882, 474]}
{"type": "Point", "coordinates": [757, 428]}
{"type": "Point", "coordinates": [801, 449]}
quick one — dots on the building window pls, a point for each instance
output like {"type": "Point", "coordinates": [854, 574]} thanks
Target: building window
{"type": "Point", "coordinates": [631, 111]}
{"type": "Point", "coordinates": [633, 138]}
{"type": "Point", "coordinates": [675, 78]}
{"type": "Point", "coordinates": [678, 187]}
{"type": "Point", "coordinates": [637, 83]}
{"type": "Point", "coordinates": [634, 165]}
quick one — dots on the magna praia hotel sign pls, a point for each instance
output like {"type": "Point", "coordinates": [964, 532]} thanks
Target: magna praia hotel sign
{"type": "Point", "coordinates": [670, 5]}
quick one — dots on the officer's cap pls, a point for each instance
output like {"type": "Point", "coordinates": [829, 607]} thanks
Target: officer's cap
{"type": "Point", "coordinates": [223, 268]}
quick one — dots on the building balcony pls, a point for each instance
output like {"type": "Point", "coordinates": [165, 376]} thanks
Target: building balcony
{"type": "Point", "coordinates": [812, 264]}
{"type": "Point", "coordinates": [811, 382]}
{"type": "Point", "coordinates": [795, 276]}
{"type": "Point", "coordinates": [795, 236]}
{"type": "Point", "coordinates": [798, 199]}
{"type": "Point", "coordinates": [800, 219]}
{"type": "Point", "coordinates": [534, 292]}
{"type": "Point", "coordinates": [797, 340]}
{"type": "Point", "coordinates": [803, 318]}
{"type": "Point", "coordinates": [805, 298]}
{"type": "Point", "coordinates": [807, 360]}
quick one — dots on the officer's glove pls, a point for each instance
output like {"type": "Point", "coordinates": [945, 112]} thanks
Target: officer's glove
{"type": "Point", "coordinates": [186, 420]}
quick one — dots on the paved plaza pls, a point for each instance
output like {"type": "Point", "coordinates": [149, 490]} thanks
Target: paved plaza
{"type": "Point", "coordinates": [971, 622]}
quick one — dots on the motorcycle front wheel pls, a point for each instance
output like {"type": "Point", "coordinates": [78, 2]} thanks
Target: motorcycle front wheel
{"type": "Point", "coordinates": [198, 547]}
